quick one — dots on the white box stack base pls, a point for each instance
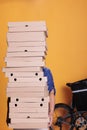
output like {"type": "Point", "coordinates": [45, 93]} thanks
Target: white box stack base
{"type": "Point", "coordinates": [27, 90]}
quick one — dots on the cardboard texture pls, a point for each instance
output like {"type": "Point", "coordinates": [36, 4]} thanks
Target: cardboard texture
{"type": "Point", "coordinates": [27, 44]}
{"type": "Point", "coordinates": [34, 100]}
{"type": "Point", "coordinates": [24, 64]}
{"type": "Point", "coordinates": [23, 49]}
{"type": "Point", "coordinates": [26, 36]}
{"type": "Point", "coordinates": [25, 54]}
{"type": "Point", "coordinates": [27, 84]}
{"type": "Point", "coordinates": [29, 79]}
{"type": "Point", "coordinates": [24, 74]}
{"type": "Point", "coordinates": [22, 69]}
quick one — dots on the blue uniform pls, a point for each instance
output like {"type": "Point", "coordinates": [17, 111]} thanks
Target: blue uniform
{"type": "Point", "coordinates": [50, 81]}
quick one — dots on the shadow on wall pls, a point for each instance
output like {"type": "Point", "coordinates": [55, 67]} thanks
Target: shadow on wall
{"type": "Point", "coordinates": [64, 95]}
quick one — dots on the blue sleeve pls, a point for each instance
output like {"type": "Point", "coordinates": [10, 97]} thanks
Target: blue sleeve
{"type": "Point", "coordinates": [50, 81]}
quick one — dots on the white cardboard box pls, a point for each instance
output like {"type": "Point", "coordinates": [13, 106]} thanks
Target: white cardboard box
{"type": "Point", "coordinates": [26, 36]}
{"type": "Point", "coordinates": [32, 125]}
{"type": "Point", "coordinates": [29, 105]}
{"type": "Point", "coordinates": [24, 74]}
{"type": "Point", "coordinates": [26, 49]}
{"type": "Point", "coordinates": [23, 69]}
{"type": "Point", "coordinates": [28, 114]}
{"type": "Point", "coordinates": [33, 110]}
{"type": "Point", "coordinates": [29, 79]}
{"type": "Point", "coordinates": [27, 94]}
{"type": "Point", "coordinates": [26, 89]}
{"type": "Point", "coordinates": [27, 44]}
{"type": "Point", "coordinates": [27, 59]}
{"type": "Point", "coordinates": [26, 54]}
{"type": "Point", "coordinates": [27, 84]}
{"type": "Point", "coordinates": [25, 64]}
{"type": "Point", "coordinates": [23, 99]}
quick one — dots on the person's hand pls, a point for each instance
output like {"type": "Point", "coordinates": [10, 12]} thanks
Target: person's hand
{"type": "Point", "coordinates": [50, 119]}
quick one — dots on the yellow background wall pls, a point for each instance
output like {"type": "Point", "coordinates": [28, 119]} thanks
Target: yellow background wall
{"type": "Point", "coordinates": [67, 42]}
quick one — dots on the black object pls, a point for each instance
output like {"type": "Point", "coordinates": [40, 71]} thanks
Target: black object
{"type": "Point", "coordinates": [78, 85]}
{"type": "Point", "coordinates": [8, 119]}
{"type": "Point", "coordinates": [79, 90]}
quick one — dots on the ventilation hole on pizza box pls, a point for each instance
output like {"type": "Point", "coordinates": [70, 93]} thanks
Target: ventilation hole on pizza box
{"type": "Point", "coordinates": [28, 116]}
{"type": "Point", "coordinates": [36, 74]}
{"type": "Point", "coordinates": [41, 104]}
{"type": "Point", "coordinates": [15, 79]}
{"type": "Point", "coordinates": [40, 79]}
{"type": "Point", "coordinates": [15, 105]}
{"type": "Point", "coordinates": [17, 99]}
{"type": "Point", "coordinates": [42, 99]}
{"type": "Point", "coordinates": [26, 25]}
{"type": "Point", "coordinates": [11, 74]}
{"type": "Point", "coordinates": [26, 50]}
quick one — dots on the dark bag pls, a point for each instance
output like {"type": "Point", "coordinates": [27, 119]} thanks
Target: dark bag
{"type": "Point", "coordinates": [79, 90]}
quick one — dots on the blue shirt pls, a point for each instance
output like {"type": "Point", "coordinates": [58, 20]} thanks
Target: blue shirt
{"type": "Point", "coordinates": [50, 81]}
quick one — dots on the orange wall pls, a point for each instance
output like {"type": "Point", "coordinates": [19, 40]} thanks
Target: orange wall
{"type": "Point", "coordinates": [67, 42]}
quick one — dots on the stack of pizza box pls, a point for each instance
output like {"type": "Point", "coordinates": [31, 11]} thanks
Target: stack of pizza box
{"type": "Point", "coordinates": [27, 90]}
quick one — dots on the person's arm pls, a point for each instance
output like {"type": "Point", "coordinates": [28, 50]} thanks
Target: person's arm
{"type": "Point", "coordinates": [52, 92]}
{"type": "Point", "coordinates": [51, 105]}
